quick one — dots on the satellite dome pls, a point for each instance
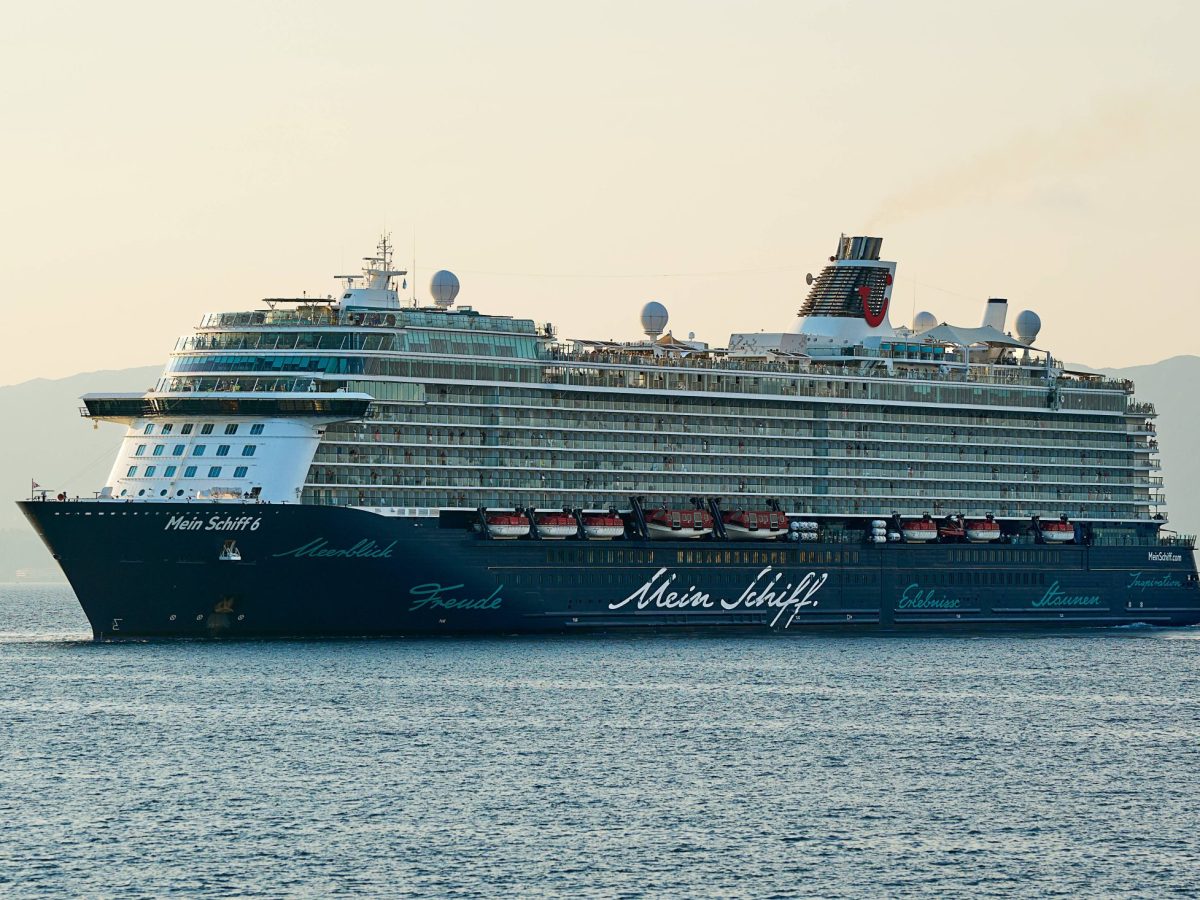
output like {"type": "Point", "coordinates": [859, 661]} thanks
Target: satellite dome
{"type": "Point", "coordinates": [923, 321]}
{"type": "Point", "coordinates": [1029, 324]}
{"type": "Point", "coordinates": [654, 318]}
{"type": "Point", "coordinates": [443, 287]}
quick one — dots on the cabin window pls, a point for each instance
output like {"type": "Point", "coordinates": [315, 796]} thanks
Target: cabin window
{"type": "Point", "coordinates": [240, 472]}
{"type": "Point", "coordinates": [186, 429]}
{"type": "Point", "coordinates": [141, 449]}
{"type": "Point", "coordinates": [256, 429]}
{"type": "Point", "coordinates": [222, 450]}
{"type": "Point", "coordinates": [206, 428]}
{"type": "Point", "coordinates": [149, 471]}
{"type": "Point", "coordinates": [249, 449]}
{"type": "Point", "coordinates": [231, 429]}
{"type": "Point", "coordinates": [214, 471]}
{"type": "Point", "coordinates": [189, 472]}
{"type": "Point", "coordinates": [159, 448]}
{"type": "Point", "coordinates": [131, 472]}
{"type": "Point", "coordinates": [169, 472]}
{"type": "Point", "coordinates": [166, 429]}
{"type": "Point", "coordinates": [198, 450]}
{"type": "Point", "coordinates": [178, 450]}
{"type": "Point", "coordinates": [149, 429]}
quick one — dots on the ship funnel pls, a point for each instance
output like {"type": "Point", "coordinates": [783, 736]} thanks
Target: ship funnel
{"type": "Point", "coordinates": [995, 312]}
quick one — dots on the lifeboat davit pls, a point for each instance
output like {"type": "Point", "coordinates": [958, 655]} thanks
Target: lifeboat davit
{"type": "Point", "coordinates": [754, 524]}
{"type": "Point", "coordinates": [1057, 532]}
{"type": "Point", "coordinates": [507, 526]}
{"type": "Point", "coordinates": [981, 531]}
{"type": "Point", "coordinates": [921, 530]}
{"type": "Point", "coordinates": [677, 524]}
{"type": "Point", "coordinates": [556, 526]}
{"type": "Point", "coordinates": [603, 528]}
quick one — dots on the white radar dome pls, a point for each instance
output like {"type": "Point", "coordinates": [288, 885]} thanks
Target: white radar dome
{"type": "Point", "coordinates": [1029, 324]}
{"type": "Point", "coordinates": [654, 318]}
{"type": "Point", "coordinates": [443, 287]}
{"type": "Point", "coordinates": [923, 321]}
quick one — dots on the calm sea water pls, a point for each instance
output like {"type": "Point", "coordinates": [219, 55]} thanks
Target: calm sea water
{"type": "Point", "coordinates": [782, 766]}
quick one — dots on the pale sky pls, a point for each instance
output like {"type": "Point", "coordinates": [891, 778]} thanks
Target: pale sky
{"type": "Point", "coordinates": [159, 163]}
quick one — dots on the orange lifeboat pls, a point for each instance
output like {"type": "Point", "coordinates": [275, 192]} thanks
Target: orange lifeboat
{"type": "Point", "coordinates": [676, 524]}
{"type": "Point", "coordinates": [981, 531]}
{"type": "Point", "coordinates": [919, 531]}
{"type": "Point", "coordinates": [1061, 532]}
{"type": "Point", "coordinates": [507, 526]}
{"type": "Point", "coordinates": [603, 528]}
{"type": "Point", "coordinates": [754, 524]}
{"type": "Point", "coordinates": [556, 526]}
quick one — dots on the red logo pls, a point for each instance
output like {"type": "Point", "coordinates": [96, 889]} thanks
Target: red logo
{"type": "Point", "coordinates": [874, 319]}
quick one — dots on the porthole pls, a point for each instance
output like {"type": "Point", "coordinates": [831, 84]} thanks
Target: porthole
{"type": "Point", "coordinates": [142, 492]}
{"type": "Point", "coordinates": [124, 492]}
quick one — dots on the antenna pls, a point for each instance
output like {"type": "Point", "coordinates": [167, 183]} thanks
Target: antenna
{"type": "Point", "coordinates": [414, 267]}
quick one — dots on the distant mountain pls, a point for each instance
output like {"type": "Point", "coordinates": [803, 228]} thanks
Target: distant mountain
{"type": "Point", "coordinates": [53, 446]}
{"type": "Point", "coordinates": [1173, 386]}
{"type": "Point", "coordinates": [49, 443]}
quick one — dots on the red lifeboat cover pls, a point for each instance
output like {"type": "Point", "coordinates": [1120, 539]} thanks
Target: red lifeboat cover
{"type": "Point", "coordinates": [1057, 526]}
{"type": "Point", "coordinates": [599, 520]}
{"type": "Point", "coordinates": [681, 518]}
{"type": "Point", "coordinates": [506, 519]}
{"type": "Point", "coordinates": [555, 519]}
{"type": "Point", "coordinates": [754, 518]}
{"type": "Point", "coordinates": [920, 526]}
{"type": "Point", "coordinates": [983, 525]}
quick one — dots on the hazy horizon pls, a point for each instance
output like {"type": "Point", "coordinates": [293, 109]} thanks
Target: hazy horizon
{"type": "Point", "coordinates": [571, 163]}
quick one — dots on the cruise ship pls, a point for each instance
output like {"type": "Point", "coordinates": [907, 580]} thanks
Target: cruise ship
{"type": "Point", "coordinates": [358, 464]}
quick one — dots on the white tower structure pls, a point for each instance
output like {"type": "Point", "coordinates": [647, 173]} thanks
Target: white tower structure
{"type": "Point", "coordinates": [378, 273]}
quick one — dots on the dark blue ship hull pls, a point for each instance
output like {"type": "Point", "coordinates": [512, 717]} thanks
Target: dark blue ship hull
{"type": "Point", "coordinates": [193, 570]}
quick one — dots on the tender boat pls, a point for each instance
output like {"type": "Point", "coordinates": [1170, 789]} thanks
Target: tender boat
{"type": "Point", "coordinates": [754, 524]}
{"type": "Point", "coordinates": [674, 524]}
